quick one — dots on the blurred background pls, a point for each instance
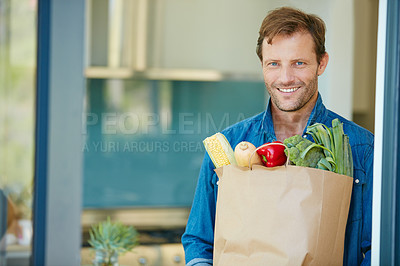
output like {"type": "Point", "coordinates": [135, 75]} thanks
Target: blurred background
{"type": "Point", "coordinates": [160, 76]}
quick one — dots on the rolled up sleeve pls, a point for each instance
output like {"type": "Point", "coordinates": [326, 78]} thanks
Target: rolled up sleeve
{"type": "Point", "coordinates": [198, 238]}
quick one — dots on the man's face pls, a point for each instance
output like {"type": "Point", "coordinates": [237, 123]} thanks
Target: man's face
{"type": "Point", "coordinates": [291, 70]}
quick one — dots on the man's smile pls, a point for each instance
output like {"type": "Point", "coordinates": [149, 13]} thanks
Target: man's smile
{"type": "Point", "coordinates": [287, 90]}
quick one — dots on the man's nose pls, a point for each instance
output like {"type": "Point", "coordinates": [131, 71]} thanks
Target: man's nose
{"type": "Point", "coordinates": [287, 75]}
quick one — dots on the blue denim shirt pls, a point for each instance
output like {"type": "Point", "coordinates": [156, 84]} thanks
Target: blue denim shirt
{"type": "Point", "coordinates": [199, 234]}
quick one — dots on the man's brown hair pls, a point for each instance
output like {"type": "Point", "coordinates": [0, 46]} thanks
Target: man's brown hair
{"type": "Point", "coordinates": [287, 21]}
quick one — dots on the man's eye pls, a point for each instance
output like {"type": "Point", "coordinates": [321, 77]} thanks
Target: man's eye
{"type": "Point", "coordinates": [273, 64]}
{"type": "Point", "coordinates": [299, 63]}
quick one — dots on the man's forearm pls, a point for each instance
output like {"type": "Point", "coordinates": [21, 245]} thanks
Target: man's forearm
{"type": "Point", "coordinates": [200, 262]}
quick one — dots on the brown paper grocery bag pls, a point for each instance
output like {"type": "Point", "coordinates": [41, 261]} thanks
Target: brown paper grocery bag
{"type": "Point", "coordinates": [286, 215]}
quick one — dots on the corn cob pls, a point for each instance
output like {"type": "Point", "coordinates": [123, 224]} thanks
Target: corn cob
{"type": "Point", "coordinates": [219, 150]}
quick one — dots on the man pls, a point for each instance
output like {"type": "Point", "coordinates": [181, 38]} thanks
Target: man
{"type": "Point", "coordinates": [291, 47]}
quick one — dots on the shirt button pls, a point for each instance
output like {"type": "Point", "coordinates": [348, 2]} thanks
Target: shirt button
{"type": "Point", "coordinates": [357, 181]}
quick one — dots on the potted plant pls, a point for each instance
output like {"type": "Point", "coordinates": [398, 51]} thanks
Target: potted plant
{"type": "Point", "coordinates": [111, 239]}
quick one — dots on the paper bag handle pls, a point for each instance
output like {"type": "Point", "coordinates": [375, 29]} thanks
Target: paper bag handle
{"type": "Point", "coordinates": [268, 144]}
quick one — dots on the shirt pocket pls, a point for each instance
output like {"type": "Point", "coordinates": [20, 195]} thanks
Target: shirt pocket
{"type": "Point", "coordinates": [355, 211]}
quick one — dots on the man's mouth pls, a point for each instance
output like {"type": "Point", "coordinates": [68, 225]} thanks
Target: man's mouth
{"type": "Point", "coordinates": [287, 90]}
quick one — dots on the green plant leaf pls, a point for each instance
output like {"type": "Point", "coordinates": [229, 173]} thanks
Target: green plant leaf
{"type": "Point", "coordinates": [113, 237]}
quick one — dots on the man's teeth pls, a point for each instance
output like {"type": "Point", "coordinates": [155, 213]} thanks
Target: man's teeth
{"type": "Point", "coordinates": [289, 90]}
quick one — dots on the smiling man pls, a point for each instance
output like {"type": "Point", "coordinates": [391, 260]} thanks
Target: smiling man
{"type": "Point", "coordinates": [291, 71]}
{"type": "Point", "coordinates": [291, 48]}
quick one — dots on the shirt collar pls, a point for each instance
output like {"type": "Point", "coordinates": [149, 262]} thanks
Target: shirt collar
{"type": "Point", "coordinates": [318, 114]}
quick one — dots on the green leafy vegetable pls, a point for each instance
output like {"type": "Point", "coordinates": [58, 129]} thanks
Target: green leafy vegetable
{"type": "Point", "coordinates": [331, 150]}
{"type": "Point", "coordinates": [340, 158]}
{"type": "Point", "coordinates": [303, 152]}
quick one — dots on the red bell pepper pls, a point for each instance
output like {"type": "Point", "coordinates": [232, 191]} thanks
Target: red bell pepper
{"type": "Point", "coordinates": [273, 154]}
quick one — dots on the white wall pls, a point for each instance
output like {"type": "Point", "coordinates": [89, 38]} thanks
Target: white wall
{"type": "Point", "coordinates": [222, 35]}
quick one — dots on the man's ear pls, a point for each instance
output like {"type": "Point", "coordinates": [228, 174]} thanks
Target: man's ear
{"type": "Point", "coordinates": [322, 64]}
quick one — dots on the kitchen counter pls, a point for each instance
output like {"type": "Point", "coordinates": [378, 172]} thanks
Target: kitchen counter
{"type": "Point", "coordinates": [18, 255]}
{"type": "Point", "coordinates": [149, 255]}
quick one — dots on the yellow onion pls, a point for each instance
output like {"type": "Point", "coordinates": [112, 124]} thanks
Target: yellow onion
{"type": "Point", "coordinates": [243, 152]}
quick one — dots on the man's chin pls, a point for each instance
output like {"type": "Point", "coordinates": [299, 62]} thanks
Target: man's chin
{"type": "Point", "coordinates": [287, 107]}
{"type": "Point", "coordinates": [289, 110]}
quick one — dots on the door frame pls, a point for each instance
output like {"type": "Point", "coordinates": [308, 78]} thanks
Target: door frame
{"type": "Point", "coordinates": [60, 88]}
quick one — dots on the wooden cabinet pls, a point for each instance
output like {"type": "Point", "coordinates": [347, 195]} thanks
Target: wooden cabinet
{"type": "Point", "coordinates": [174, 39]}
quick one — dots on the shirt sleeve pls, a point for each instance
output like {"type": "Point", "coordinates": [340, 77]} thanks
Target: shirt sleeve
{"type": "Point", "coordinates": [198, 238]}
{"type": "Point", "coordinates": [367, 207]}
{"type": "Point", "coordinates": [200, 262]}
{"type": "Point", "coordinates": [367, 259]}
